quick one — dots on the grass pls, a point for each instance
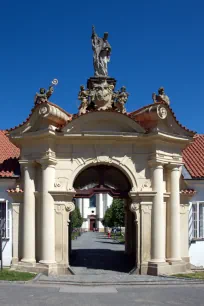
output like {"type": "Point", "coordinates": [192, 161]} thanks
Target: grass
{"type": "Point", "coordinates": [197, 275]}
{"type": "Point", "coordinates": [119, 237]}
{"type": "Point", "coordinates": [9, 275]}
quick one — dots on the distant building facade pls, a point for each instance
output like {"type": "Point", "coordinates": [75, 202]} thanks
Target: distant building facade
{"type": "Point", "coordinates": [93, 210]}
{"type": "Point", "coordinates": [9, 175]}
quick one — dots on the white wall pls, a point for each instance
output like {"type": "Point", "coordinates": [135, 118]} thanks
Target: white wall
{"type": "Point", "coordinates": [7, 243]}
{"type": "Point", "coordinates": [196, 253]}
{"type": "Point", "coordinates": [196, 249]}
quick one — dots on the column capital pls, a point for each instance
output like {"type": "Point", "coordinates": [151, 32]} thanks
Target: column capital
{"type": "Point", "coordinates": [174, 167]}
{"type": "Point", "coordinates": [47, 161]}
{"type": "Point", "coordinates": [27, 162]}
{"type": "Point", "coordinates": [155, 164]}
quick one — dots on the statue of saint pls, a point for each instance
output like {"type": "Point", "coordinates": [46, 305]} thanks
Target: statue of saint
{"type": "Point", "coordinates": [83, 96]}
{"type": "Point", "coordinates": [44, 95]}
{"type": "Point", "coordinates": [101, 56]}
{"type": "Point", "coordinates": [161, 96]}
{"type": "Point", "coordinates": [121, 98]}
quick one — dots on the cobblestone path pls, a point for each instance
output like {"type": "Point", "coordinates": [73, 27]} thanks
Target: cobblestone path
{"type": "Point", "coordinates": [94, 253]}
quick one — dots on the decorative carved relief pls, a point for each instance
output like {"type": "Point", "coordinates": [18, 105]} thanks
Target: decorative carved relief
{"type": "Point", "coordinates": [43, 110]}
{"type": "Point", "coordinates": [146, 209]}
{"type": "Point", "coordinates": [183, 208]}
{"type": "Point", "coordinates": [146, 185]}
{"type": "Point", "coordinates": [50, 153]}
{"type": "Point", "coordinates": [59, 208]}
{"type": "Point", "coordinates": [61, 183]}
{"type": "Point", "coordinates": [104, 159]}
{"type": "Point", "coordinates": [134, 207]}
{"type": "Point", "coordinates": [161, 112]}
{"type": "Point", "coordinates": [69, 207]}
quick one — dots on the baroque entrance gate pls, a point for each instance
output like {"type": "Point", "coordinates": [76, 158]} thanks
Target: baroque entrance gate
{"type": "Point", "coordinates": [56, 149]}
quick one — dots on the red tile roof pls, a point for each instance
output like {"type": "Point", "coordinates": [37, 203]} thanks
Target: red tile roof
{"type": "Point", "coordinates": [188, 192]}
{"type": "Point", "coordinates": [9, 155]}
{"type": "Point", "coordinates": [16, 190]}
{"type": "Point", "coordinates": [193, 157]}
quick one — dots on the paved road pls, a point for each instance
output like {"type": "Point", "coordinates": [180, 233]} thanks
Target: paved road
{"type": "Point", "coordinates": [94, 253]}
{"type": "Point", "coordinates": [33, 295]}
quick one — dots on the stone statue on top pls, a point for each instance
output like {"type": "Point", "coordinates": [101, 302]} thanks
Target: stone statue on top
{"type": "Point", "coordinates": [101, 56]}
{"type": "Point", "coordinates": [161, 96]}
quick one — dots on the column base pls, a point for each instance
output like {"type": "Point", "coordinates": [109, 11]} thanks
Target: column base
{"type": "Point", "coordinates": [173, 260]}
{"type": "Point", "coordinates": [158, 268]}
{"type": "Point", "coordinates": [14, 260]}
{"type": "Point", "coordinates": [47, 262]}
{"type": "Point", "coordinates": [51, 269]}
{"type": "Point", "coordinates": [178, 266]}
{"type": "Point", "coordinates": [28, 260]}
{"type": "Point", "coordinates": [157, 261]}
{"type": "Point", "coordinates": [166, 268]}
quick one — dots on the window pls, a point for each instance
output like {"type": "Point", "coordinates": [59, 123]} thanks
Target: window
{"type": "Point", "coordinates": [196, 220]}
{"type": "Point", "coordinates": [4, 219]}
{"type": "Point", "coordinates": [92, 202]}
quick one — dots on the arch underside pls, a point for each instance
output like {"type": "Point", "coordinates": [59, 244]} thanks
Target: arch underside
{"type": "Point", "coordinates": [101, 179]}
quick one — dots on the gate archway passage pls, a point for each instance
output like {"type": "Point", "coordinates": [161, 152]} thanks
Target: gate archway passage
{"type": "Point", "coordinates": [93, 252]}
{"type": "Point", "coordinates": [102, 179]}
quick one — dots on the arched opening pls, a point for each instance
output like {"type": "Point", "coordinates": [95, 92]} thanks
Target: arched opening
{"type": "Point", "coordinates": [96, 189]}
{"type": "Point", "coordinates": [102, 179]}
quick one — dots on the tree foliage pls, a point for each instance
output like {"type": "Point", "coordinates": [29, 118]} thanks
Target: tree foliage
{"type": "Point", "coordinates": [115, 215]}
{"type": "Point", "coordinates": [108, 219]}
{"type": "Point", "coordinates": [76, 218]}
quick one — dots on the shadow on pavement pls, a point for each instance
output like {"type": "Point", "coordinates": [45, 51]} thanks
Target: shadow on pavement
{"type": "Point", "coordinates": [111, 242]}
{"type": "Point", "coordinates": [103, 259]}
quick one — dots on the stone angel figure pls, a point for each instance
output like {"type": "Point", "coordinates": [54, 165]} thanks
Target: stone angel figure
{"type": "Point", "coordinates": [121, 98]}
{"type": "Point", "coordinates": [44, 94]}
{"type": "Point", "coordinates": [83, 96]}
{"type": "Point", "coordinates": [101, 56]}
{"type": "Point", "coordinates": [161, 96]}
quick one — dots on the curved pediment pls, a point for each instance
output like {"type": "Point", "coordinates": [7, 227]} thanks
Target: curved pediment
{"type": "Point", "coordinates": [159, 117]}
{"type": "Point", "coordinates": [43, 116]}
{"type": "Point", "coordinates": [103, 122]}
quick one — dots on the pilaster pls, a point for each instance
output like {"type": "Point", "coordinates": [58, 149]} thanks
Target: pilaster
{"type": "Point", "coordinates": [15, 232]}
{"type": "Point", "coordinates": [63, 207]}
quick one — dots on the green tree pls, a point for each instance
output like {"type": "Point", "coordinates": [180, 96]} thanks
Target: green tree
{"type": "Point", "coordinates": [115, 215]}
{"type": "Point", "coordinates": [118, 212]}
{"type": "Point", "coordinates": [108, 220]}
{"type": "Point", "coordinates": [76, 218]}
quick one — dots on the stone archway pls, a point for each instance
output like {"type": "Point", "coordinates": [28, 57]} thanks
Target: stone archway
{"type": "Point", "coordinates": [107, 179]}
{"type": "Point", "coordinates": [102, 179]}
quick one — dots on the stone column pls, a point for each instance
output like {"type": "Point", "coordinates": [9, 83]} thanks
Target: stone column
{"type": "Point", "coordinates": [47, 212]}
{"type": "Point", "coordinates": [158, 218]}
{"type": "Point", "coordinates": [15, 232]}
{"type": "Point", "coordinates": [80, 205]}
{"type": "Point", "coordinates": [174, 214]}
{"type": "Point", "coordinates": [98, 209]}
{"type": "Point", "coordinates": [101, 215]}
{"type": "Point", "coordinates": [28, 230]}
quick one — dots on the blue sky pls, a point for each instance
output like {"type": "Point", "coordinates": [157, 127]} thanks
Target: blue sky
{"type": "Point", "coordinates": [154, 43]}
